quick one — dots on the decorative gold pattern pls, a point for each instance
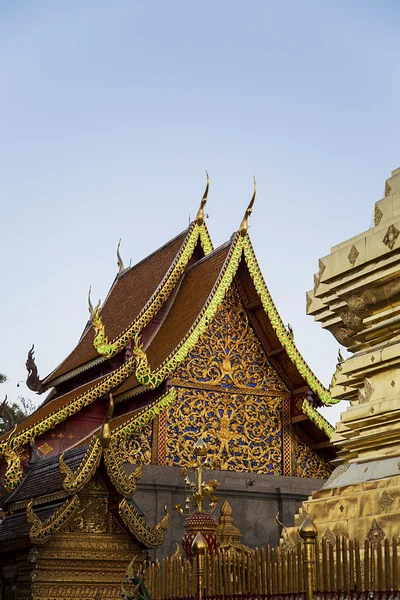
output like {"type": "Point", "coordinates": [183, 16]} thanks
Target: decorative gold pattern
{"type": "Point", "coordinates": [45, 448]}
{"type": "Point", "coordinates": [91, 517]}
{"type": "Point", "coordinates": [353, 255]}
{"type": "Point", "coordinates": [242, 431]}
{"type": "Point", "coordinates": [103, 346]}
{"type": "Point", "coordinates": [378, 214]}
{"type": "Point", "coordinates": [308, 463]}
{"type": "Point", "coordinates": [388, 189]}
{"type": "Point", "coordinates": [124, 484]}
{"type": "Point", "coordinates": [241, 428]}
{"type": "Point", "coordinates": [14, 469]}
{"type": "Point", "coordinates": [151, 538]}
{"type": "Point", "coordinates": [385, 501]}
{"type": "Point", "coordinates": [375, 534]}
{"type": "Point", "coordinates": [75, 481]}
{"type": "Point", "coordinates": [391, 236]}
{"type": "Point", "coordinates": [42, 531]}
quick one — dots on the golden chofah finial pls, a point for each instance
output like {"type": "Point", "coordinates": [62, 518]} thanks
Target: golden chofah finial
{"type": "Point", "coordinates": [105, 432]}
{"type": "Point", "coordinates": [244, 225]}
{"type": "Point", "coordinates": [199, 220]}
{"type": "Point", "coordinates": [120, 262]}
{"type": "Point", "coordinates": [91, 311]}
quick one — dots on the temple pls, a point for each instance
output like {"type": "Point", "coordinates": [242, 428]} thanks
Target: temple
{"type": "Point", "coordinates": [187, 344]}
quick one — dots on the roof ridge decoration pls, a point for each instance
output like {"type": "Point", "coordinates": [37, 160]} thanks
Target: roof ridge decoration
{"type": "Point", "coordinates": [9, 446]}
{"type": "Point", "coordinates": [317, 418]}
{"type": "Point", "coordinates": [75, 481]}
{"type": "Point", "coordinates": [153, 379]}
{"type": "Point", "coordinates": [244, 225]}
{"type": "Point", "coordinates": [14, 469]}
{"type": "Point", "coordinates": [109, 349]}
{"type": "Point", "coordinates": [41, 531]}
{"type": "Point", "coordinates": [282, 333]}
{"type": "Point", "coordinates": [126, 484]}
{"type": "Point", "coordinates": [149, 537]}
{"type": "Point", "coordinates": [200, 213]}
{"type": "Point", "coordinates": [241, 244]}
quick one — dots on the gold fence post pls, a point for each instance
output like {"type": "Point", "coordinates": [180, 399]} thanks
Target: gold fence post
{"type": "Point", "coordinates": [199, 547]}
{"type": "Point", "coordinates": [308, 533]}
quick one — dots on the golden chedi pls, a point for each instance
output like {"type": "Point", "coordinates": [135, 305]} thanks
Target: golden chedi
{"type": "Point", "coordinates": [356, 297]}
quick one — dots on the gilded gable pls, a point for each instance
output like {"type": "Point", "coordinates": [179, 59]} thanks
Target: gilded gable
{"type": "Point", "coordinates": [230, 394]}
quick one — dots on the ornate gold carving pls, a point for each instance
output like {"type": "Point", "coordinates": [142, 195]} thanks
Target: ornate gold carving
{"type": "Point", "coordinates": [309, 463]}
{"type": "Point", "coordinates": [124, 484]}
{"type": "Point", "coordinates": [388, 189]}
{"type": "Point", "coordinates": [14, 470]}
{"type": "Point", "coordinates": [42, 531]}
{"type": "Point", "coordinates": [375, 534]}
{"type": "Point", "coordinates": [75, 481]}
{"type": "Point", "coordinates": [353, 255]}
{"type": "Point", "coordinates": [385, 501]}
{"type": "Point", "coordinates": [378, 214]}
{"type": "Point", "coordinates": [150, 538]}
{"type": "Point", "coordinates": [391, 236]}
{"type": "Point", "coordinates": [91, 517]}
{"type": "Point", "coordinates": [242, 431]}
{"type": "Point", "coordinates": [229, 354]}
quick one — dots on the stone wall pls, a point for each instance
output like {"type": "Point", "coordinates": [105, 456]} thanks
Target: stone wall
{"type": "Point", "coordinates": [255, 501]}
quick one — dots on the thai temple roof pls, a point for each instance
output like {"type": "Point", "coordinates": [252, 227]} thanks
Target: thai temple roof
{"type": "Point", "coordinates": [154, 314]}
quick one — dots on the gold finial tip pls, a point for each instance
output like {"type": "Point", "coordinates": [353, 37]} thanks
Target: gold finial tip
{"type": "Point", "coordinates": [226, 509]}
{"type": "Point", "coordinates": [199, 220]}
{"type": "Point", "coordinates": [308, 529]}
{"type": "Point", "coordinates": [244, 225]}
{"type": "Point", "coordinates": [200, 447]}
{"type": "Point", "coordinates": [199, 544]}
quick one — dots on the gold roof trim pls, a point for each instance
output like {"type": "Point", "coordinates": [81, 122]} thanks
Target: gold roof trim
{"type": "Point", "coordinates": [42, 531]}
{"type": "Point", "coordinates": [149, 537]}
{"type": "Point", "coordinates": [103, 346]}
{"type": "Point", "coordinates": [74, 481]}
{"type": "Point", "coordinates": [23, 436]}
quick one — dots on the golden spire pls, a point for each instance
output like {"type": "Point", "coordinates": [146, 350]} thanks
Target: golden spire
{"type": "Point", "coordinates": [200, 214]}
{"type": "Point", "coordinates": [105, 432]}
{"type": "Point", "coordinates": [244, 225]}
{"type": "Point", "coordinates": [120, 262]}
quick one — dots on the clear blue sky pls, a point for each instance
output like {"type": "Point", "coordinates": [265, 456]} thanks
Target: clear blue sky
{"type": "Point", "coordinates": [111, 111]}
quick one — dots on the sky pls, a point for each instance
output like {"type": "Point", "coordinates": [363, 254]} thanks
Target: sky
{"type": "Point", "coordinates": [110, 112]}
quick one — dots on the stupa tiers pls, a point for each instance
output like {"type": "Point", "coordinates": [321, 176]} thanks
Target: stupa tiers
{"type": "Point", "coordinates": [189, 343]}
{"type": "Point", "coordinates": [357, 298]}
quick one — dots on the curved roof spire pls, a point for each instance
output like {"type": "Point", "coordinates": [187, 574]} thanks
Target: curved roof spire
{"type": "Point", "coordinates": [200, 213]}
{"type": "Point", "coordinates": [120, 262]}
{"type": "Point", "coordinates": [244, 225]}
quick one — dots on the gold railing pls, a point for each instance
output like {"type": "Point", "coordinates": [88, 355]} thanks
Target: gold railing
{"type": "Point", "coordinates": [323, 568]}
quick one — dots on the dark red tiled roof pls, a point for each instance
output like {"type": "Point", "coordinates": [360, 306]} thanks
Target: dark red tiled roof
{"type": "Point", "coordinates": [127, 297]}
{"type": "Point", "coordinates": [187, 305]}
